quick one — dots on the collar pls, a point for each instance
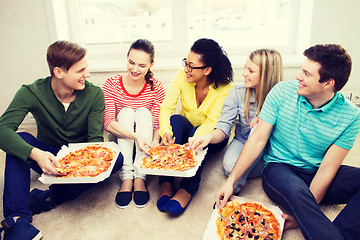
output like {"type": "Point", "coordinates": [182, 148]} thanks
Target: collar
{"type": "Point", "coordinates": [324, 107]}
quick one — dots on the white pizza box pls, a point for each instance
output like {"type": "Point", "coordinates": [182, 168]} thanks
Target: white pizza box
{"type": "Point", "coordinates": [211, 231]}
{"type": "Point", "coordinates": [199, 157]}
{"type": "Point", "coordinates": [50, 179]}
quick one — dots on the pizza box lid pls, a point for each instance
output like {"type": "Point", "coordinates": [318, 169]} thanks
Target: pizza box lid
{"type": "Point", "coordinates": [51, 179]}
{"type": "Point", "coordinates": [199, 157]}
{"type": "Point", "coordinates": [211, 231]}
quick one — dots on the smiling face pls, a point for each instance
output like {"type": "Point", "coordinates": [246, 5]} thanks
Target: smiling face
{"type": "Point", "coordinates": [138, 64]}
{"type": "Point", "coordinates": [309, 85]}
{"type": "Point", "coordinates": [251, 74]}
{"type": "Point", "coordinates": [74, 78]}
{"type": "Point", "coordinates": [195, 75]}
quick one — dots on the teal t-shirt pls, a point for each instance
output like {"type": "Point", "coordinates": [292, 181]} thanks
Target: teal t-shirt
{"type": "Point", "coordinates": [301, 135]}
{"type": "Point", "coordinates": [82, 122]}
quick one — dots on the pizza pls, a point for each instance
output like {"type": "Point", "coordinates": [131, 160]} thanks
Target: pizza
{"type": "Point", "coordinates": [247, 220]}
{"type": "Point", "coordinates": [169, 157]}
{"type": "Point", "coordinates": [89, 161]}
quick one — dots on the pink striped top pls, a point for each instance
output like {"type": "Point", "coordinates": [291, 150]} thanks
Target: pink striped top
{"type": "Point", "coordinates": [117, 98]}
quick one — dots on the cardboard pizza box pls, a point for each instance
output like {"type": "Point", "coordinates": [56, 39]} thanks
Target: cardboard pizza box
{"type": "Point", "coordinates": [199, 157]}
{"type": "Point", "coordinates": [211, 231]}
{"type": "Point", "coordinates": [51, 179]}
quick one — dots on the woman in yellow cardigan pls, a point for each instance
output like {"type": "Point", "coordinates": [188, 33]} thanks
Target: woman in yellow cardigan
{"type": "Point", "coordinates": [202, 88]}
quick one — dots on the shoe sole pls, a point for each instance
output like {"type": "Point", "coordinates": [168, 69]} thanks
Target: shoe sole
{"type": "Point", "coordinates": [122, 207]}
{"type": "Point", "coordinates": [38, 236]}
{"type": "Point", "coordinates": [141, 206]}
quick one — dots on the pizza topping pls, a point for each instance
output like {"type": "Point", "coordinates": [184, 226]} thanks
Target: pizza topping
{"type": "Point", "coordinates": [169, 157]}
{"type": "Point", "coordinates": [89, 161]}
{"type": "Point", "coordinates": [247, 221]}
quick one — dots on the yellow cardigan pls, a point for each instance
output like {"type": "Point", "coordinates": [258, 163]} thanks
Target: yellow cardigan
{"type": "Point", "coordinates": [206, 116]}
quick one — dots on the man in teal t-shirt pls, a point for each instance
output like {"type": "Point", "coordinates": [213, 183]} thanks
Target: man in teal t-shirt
{"type": "Point", "coordinates": [67, 109]}
{"type": "Point", "coordinates": [308, 128]}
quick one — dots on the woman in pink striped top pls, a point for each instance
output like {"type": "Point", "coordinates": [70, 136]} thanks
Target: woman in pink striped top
{"type": "Point", "coordinates": [132, 105]}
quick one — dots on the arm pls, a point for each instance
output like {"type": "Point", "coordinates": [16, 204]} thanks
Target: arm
{"type": "Point", "coordinates": [159, 98]}
{"type": "Point", "coordinates": [200, 142]}
{"type": "Point", "coordinates": [214, 110]}
{"type": "Point", "coordinates": [46, 161]}
{"type": "Point", "coordinates": [95, 118]}
{"type": "Point", "coordinates": [156, 139]}
{"type": "Point", "coordinates": [19, 107]}
{"type": "Point", "coordinates": [169, 105]}
{"type": "Point", "coordinates": [119, 130]}
{"type": "Point", "coordinates": [252, 149]}
{"type": "Point", "coordinates": [327, 171]}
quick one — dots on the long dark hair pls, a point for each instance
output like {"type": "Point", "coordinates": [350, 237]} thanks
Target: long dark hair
{"type": "Point", "coordinates": [145, 46]}
{"type": "Point", "coordinates": [213, 56]}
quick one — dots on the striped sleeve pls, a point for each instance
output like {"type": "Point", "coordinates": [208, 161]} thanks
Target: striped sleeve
{"type": "Point", "coordinates": [159, 98]}
{"type": "Point", "coordinates": [270, 110]}
{"type": "Point", "coordinates": [109, 114]}
{"type": "Point", "coordinates": [347, 139]}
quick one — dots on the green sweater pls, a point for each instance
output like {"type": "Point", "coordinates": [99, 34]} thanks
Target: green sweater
{"type": "Point", "coordinates": [82, 122]}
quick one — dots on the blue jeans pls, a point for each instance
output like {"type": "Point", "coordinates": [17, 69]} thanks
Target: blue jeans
{"type": "Point", "coordinates": [289, 187]}
{"type": "Point", "coordinates": [230, 157]}
{"type": "Point", "coordinates": [17, 181]}
{"type": "Point", "coordinates": [182, 130]}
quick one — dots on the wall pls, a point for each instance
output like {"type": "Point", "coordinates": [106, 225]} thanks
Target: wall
{"type": "Point", "coordinates": [338, 22]}
{"type": "Point", "coordinates": [23, 43]}
{"type": "Point", "coordinates": [25, 36]}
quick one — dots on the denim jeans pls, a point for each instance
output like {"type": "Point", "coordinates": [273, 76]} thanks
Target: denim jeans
{"type": "Point", "coordinates": [182, 130]}
{"type": "Point", "coordinates": [230, 157]}
{"type": "Point", "coordinates": [17, 181]}
{"type": "Point", "coordinates": [289, 187]}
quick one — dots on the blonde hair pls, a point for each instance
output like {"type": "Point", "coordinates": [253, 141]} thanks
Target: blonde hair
{"type": "Point", "coordinates": [271, 72]}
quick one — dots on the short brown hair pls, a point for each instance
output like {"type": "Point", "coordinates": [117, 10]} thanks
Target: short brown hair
{"type": "Point", "coordinates": [64, 54]}
{"type": "Point", "coordinates": [335, 63]}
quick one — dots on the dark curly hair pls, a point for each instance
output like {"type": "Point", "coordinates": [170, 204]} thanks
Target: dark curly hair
{"type": "Point", "coordinates": [335, 63]}
{"type": "Point", "coordinates": [213, 56]}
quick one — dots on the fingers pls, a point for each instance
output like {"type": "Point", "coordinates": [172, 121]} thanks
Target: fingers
{"type": "Point", "coordinates": [50, 169]}
{"type": "Point", "coordinates": [55, 162]}
{"type": "Point", "coordinates": [168, 139]}
{"type": "Point", "coordinates": [195, 143]}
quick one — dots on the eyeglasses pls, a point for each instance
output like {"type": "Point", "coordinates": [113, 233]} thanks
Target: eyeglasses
{"type": "Point", "coordinates": [189, 67]}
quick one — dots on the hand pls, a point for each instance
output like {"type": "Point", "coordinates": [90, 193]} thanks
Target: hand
{"type": "Point", "coordinates": [199, 142]}
{"type": "Point", "coordinates": [46, 161]}
{"type": "Point", "coordinates": [155, 143]}
{"type": "Point", "coordinates": [167, 139]}
{"type": "Point", "coordinates": [254, 122]}
{"type": "Point", "coordinates": [142, 143]}
{"type": "Point", "coordinates": [224, 195]}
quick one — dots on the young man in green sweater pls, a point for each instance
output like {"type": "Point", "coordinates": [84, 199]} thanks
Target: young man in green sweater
{"type": "Point", "coordinates": [67, 109]}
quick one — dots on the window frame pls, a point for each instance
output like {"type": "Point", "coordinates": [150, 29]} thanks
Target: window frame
{"type": "Point", "coordinates": [110, 57]}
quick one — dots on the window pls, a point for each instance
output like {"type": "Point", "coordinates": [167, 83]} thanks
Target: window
{"type": "Point", "coordinates": [107, 27]}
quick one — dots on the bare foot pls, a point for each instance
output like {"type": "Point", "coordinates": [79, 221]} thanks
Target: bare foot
{"type": "Point", "coordinates": [139, 185]}
{"type": "Point", "coordinates": [126, 185]}
{"type": "Point", "coordinates": [166, 189]}
{"type": "Point", "coordinates": [290, 222]}
{"type": "Point", "coordinates": [183, 197]}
